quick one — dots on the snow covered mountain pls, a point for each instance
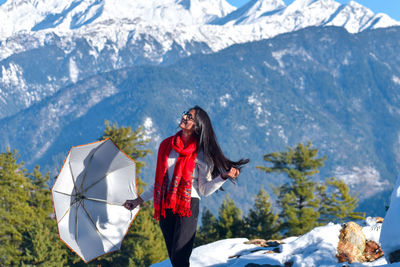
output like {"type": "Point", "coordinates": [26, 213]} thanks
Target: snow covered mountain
{"type": "Point", "coordinates": [319, 84]}
{"type": "Point", "coordinates": [62, 17]}
{"type": "Point", "coordinates": [34, 15]}
{"type": "Point", "coordinates": [80, 38]}
{"type": "Point", "coordinates": [274, 15]}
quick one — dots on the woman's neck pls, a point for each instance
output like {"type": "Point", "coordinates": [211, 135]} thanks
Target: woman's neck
{"type": "Point", "coordinates": [186, 136]}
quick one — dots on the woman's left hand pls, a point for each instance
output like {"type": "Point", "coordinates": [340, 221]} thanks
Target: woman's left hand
{"type": "Point", "coordinates": [232, 173]}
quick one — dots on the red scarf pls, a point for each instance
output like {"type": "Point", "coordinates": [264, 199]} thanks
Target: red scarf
{"type": "Point", "coordinates": [180, 189]}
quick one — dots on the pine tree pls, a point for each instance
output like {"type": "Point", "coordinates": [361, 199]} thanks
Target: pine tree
{"type": "Point", "coordinates": [304, 203]}
{"type": "Point", "coordinates": [146, 240]}
{"type": "Point", "coordinates": [262, 222]}
{"type": "Point", "coordinates": [15, 212]}
{"type": "Point", "coordinates": [339, 205]}
{"type": "Point", "coordinates": [131, 142]}
{"type": "Point", "coordinates": [298, 200]}
{"type": "Point", "coordinates": [208, 232]}
{"type": "Point", "coordinates": [42, 246]}
{"type": "Point", "coordinates": [28, 234]}
{"type": "Point", "coordinates": [230, 222]}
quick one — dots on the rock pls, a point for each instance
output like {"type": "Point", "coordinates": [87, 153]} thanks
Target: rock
{"type": "Point", "coordinates": [269, 252]}
{"type": "Point", "coordinates": [277, 250]}
{"type": "Point", "coordinates": [394, 256]}
{"type": "Point", "coordinates": [264, 243]}
{"type": "Point", "coordinates": [257, 242]}
{"type": "Point", "coordinates": [351, 244]}
{"type": "Point", "coordinates": [274, 243]}
{"type": "Point", "coordinates": [353, 247]}
{"type": "Point", "coordinates": [260, 265]}
{"type": "Point", "coordinates": [372, 251]}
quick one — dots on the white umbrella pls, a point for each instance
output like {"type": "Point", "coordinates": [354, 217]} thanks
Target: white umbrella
{"type": "Point", "coordinates": [94, 182]}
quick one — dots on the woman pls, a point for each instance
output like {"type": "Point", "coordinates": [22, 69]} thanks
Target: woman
{"type": "Point", "coordinates": [189, 164]}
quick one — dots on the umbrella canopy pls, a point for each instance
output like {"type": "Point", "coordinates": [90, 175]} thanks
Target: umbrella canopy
{"type": "Point", "coordinates": [94, 182]}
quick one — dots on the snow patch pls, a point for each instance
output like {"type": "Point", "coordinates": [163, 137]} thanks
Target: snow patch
{"type": "Point", "coordinates": [150, 130]}
{"type": "Point", "coordinates": [363, 179]}
{"type": "Point", "coordinates": [346, 60]}
{"type": "Point", "coordinates": [73, 70]}
{"type": "Point", "coordinates": [314, 249]}
{"type": "Point", "coordinates": [278, 55]}
{"type": "Point", "coordinates": [224, 100]}
{"type": "Point", "coordinates": [253, 100]}
{"type": "Point", "coordinates": [281, 133]}
{"type": "Point", "coordinates": [390, 234]}
{"type": "Point", "coordinates": [187, 92]}
{"type": "Point", "coordinates": [12, 76]}
{"type": "Point", "coordinates": [396, 80]}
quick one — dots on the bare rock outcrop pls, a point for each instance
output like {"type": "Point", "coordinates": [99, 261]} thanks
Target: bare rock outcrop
{"type": "Point", "coordinates": [353, 246]}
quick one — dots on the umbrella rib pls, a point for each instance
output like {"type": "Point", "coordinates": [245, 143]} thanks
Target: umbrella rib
{"type": "Point", "coordinates": [76, 222]}
{"type": "Point", "coordinates": [72, 176]}
{"type": "Point", "coordinates": [94, 224]}
{"type": "Point", "coordinates": [98, 181]}
{"type": "Point", "coordinates": [90, 162]}
{"type": "Point", "coordinates": [103, 201]}
{"type": "Point", "coordinates": [62, 193]}
{"type": "Point", "coordinates": [64, 214]}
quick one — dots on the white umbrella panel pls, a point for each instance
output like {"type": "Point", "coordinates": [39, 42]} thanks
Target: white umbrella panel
{"type": "Point", "coordinates": [94, 182]}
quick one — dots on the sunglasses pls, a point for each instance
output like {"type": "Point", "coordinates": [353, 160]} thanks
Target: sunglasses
{"type": "Point", "coordinates": [188, 115]}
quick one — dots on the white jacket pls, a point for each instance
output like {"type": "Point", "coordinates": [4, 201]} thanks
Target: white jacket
{"type": "Point", "coordinates": [202, 184]}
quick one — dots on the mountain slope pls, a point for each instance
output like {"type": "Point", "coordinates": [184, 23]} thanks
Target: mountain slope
{"type": "Point", "coordinates": [77, 39]}
{"type": "Point", "coordinates": [324, 85]}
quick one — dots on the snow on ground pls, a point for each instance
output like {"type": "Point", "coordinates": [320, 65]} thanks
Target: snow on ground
{"type": "Point", "coordinates": [315, 248]}
{"type": "Point", "coordinates": [390, 234]}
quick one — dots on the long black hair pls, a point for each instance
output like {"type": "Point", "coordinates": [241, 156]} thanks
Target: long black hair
{"type": "Point", "coordinates": [204, 132]}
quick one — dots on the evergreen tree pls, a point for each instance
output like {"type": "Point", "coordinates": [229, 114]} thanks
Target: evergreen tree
{"type": "Point", "coordinates": [145, 240]}
{"type": "Point", "coordinates": [298, 200]}
{"type": "Point", "coordinates": [262, 222]}
{"type": "Point", "coordinates": [28, 234]}
{"type": "Point", "coordinates": [15, 213]}
{"type": "Point", "coordinates": [208, 232]}
{"type": "Point", "coordinates": [42, 244]}
{"type": "Point", "coordinates": [131, 142]}
{"type": "Point", "coordinates": [230, 222]}
{"type": "Point", "coordinates": [339, 206]}
{"type": "Point", "coordinates": [304, 203]}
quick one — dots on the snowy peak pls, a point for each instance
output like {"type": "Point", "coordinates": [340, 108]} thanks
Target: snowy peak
{"type": "Point", "coordinates": [207, 9]}
{"type": "Point", "coordinates": [352, 16]}
{"type": "Point", "coordinates": [356, 17]}
{"type": "Point", "coordinates": [36, 15]}
{"type": "Point", "coordinates": [303, 4]}
{"type": "Point", "coordinates": [251, 12]}
{"type": "Point", "coordinates": [304, 13]}
{"type": "Point", "coordinates": [382, 20]}
{"type": "Point", "coordinates": [274, 16]}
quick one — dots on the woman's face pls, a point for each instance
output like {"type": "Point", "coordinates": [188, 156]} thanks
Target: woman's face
{"type": "Point", "coordinates": [187, 122]}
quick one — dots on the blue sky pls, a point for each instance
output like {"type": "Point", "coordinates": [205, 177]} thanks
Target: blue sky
{"type": "Point", "coordinates": [390, 7]}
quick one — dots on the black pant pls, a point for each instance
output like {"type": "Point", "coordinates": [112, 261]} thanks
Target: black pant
{"type": "Point", "coordinates": [179, 233]}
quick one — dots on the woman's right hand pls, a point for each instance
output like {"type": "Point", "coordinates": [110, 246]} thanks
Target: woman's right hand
{"type": "Point", "coordinates": [232, 173]}
{"type": "Point", "coordinates": [130, 204]}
